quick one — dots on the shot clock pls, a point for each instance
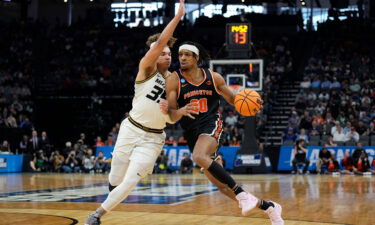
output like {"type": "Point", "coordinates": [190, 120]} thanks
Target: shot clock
{"type": "Point", "coordinates": [238, 36]}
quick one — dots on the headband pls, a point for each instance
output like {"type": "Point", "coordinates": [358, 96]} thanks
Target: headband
{"type": "Point", "coordinates": [189, 48]}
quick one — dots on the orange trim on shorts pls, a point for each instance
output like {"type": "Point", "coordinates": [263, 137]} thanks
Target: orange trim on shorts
{"type": "Point", "coordinates": [219, 129]}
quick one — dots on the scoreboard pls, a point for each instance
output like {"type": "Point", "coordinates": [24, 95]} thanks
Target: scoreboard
{"type": "Point", "coordinates": [238, 36]}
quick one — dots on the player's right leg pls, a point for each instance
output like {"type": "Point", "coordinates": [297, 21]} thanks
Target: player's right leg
{"type": "Point", "coordinates": [205, 146]}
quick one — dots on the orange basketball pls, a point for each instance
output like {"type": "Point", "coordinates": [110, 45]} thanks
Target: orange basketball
{"type": "Point", "coordinates": [248, 102]}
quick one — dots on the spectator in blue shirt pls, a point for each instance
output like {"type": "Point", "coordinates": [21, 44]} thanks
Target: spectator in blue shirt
{"type": "Point", "coordinates": [326, 84]}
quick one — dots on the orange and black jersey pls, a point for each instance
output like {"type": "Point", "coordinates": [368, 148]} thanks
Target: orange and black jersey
{"type": "Point", "coordinates": [208, 121]}
{"type": "Point", "coordinates": [203, 93]}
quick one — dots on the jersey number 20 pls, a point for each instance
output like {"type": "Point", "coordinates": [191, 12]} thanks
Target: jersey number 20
{"type": "Point", "coordinates": [202, 105]}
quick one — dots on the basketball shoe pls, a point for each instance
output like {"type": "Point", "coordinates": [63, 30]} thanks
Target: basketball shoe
{"type": "Point", "coordinates": [246, 202]}
{"type": "Point", "coordinates": [274, 213]}
{"type": "Point", "coordinates": [92, 220]}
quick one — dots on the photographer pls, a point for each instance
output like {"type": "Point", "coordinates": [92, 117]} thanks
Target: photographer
{"type": "Point", "coordinates": [39, 162]}
{"type": "Point", "coordinates": [56, 161]}
{"type": "Point", "coordinates": [71, 163]}
{"type": "Point", "coordinates": [300, 152]}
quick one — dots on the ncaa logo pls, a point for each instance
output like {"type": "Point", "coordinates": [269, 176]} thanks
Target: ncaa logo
{"type": "Point", "coordinates": [183, 81]}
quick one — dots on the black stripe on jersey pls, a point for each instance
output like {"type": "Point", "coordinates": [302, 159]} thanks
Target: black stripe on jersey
{"type": "Point", "coordinates": [148, 78]}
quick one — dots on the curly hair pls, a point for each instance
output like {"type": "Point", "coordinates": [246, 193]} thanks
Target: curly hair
{"type": "Point", "coordinates": [155, 37]}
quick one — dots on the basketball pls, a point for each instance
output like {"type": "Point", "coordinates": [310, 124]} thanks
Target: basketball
{"type": "Point", "coordinates": [247, 102]}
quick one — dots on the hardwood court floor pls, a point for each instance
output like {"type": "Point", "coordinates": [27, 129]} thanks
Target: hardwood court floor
{"type": "Point", "coordinates": [30, 199]}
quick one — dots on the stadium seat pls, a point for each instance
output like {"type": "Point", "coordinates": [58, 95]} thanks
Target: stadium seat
{"type": "Point", "coordinates": [372, 139]}
{"type": "Point", "coordinates": [350, 143]}
{"type": "Point", "coordinates": [364, 140]}
{"type": "Point", "coordinates": [288, 143]}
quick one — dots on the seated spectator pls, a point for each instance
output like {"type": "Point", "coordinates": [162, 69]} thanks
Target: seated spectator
{"type": "Point", "coordinates": [363, 165]}
{"type": "Point", "coordinates": [109, 141]}
{"type": "Point", "coordinates": [348, 127]}
{"type": "Point", "coordinates": [348, 164]}
{"type": "Point", "coordinates": [303, 136]}
{"type": "Point", "coordinates": [338, 135]}
{"type": "Point", "coordinates": [182, 141]}
{"type": "Point", "coordinates": [362, 129]}
{"type": "Point", "coordinates": [333, 164]}
{"type": "Point", "coordinates": [324, 96]}
{"type": "Point", "coordinates": [305, 84]}
{"type": "Point", "coordinates": [171, 141]}
{"type": "Point", "coordinates": [39, 162]}
{"type": "Point", "coordinates": [352, 135]}
{"type": "Point", "coordinates": [306, 121]}
{"type": "Point", "coordinates": [186, 164]}
{"type": "Point", "coordinates": [101, 163]}
{"type": "Point", "coordinates": [299, 156]}
{"type": "Point", "coordinates": [318, 118]}
{"type": "Point", "coordinates": [326, 84]}
{"type": "Point", "coordinates": [290, 126]}
{"type": "Point", "coordinates": [294, 119]}
{"type": "Point", "coordinates": [88, 161]}
{"type": "Point", "coordinates": [290, 136]}
{"type": "Point", "coordinates": [5, 148]}
{"type": "Point", "coordinates": [161, 164]}
{"type": "Point", "coordinates": [335, 84]}
{"type": "Point", "coordinates": [324, 156]}
{"type": "Point", "coordinates": [56, 161]}
{"type": "Point", "coordinates": [235, 142]}
{"type": "Point", "coordinates": [315, 84]}
{"type": "Point", "coordinates": [71, 163]}
{"type": "Point", "coordinates": [99, 142]}
{"type": "Point", "coordinates": [231, 119]}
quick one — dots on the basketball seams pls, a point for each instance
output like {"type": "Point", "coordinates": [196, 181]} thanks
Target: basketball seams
{"type": "Point", "coordinates": [246, 96]}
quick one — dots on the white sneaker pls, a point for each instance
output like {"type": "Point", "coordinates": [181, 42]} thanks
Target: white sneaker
{"type": "Point", "coordinates": [247, 202]}
{"type": "Point", "coordinates": [274, 213]}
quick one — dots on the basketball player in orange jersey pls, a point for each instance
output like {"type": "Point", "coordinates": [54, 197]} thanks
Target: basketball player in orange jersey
{"type": "Point", "coordinates": [192, 84]}
{"type": "Point", "coordinates": [141, 136]}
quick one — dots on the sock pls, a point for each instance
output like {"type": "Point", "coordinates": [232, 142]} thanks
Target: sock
{"type": "Point", "coordinates": [219, 173]}
{"type": "Point", "coordinates": [99, 213]}
{"type": "Point", "coordinates": [110, 187]}
{"type": "Point", "coordinates": [265, 205]}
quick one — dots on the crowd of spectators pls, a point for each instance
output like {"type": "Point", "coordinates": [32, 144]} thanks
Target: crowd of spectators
{"type": "Point", "coordinates": [335, 104]}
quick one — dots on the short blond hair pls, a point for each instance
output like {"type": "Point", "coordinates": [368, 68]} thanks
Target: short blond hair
{"type": "Point", "coordinates": [155, 37]}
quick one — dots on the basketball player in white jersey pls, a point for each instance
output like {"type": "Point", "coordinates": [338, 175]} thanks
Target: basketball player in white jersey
{"type": "Point", "coordinates": [141, 135]}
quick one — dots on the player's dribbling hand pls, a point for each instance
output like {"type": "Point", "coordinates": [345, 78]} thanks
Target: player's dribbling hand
{"type": "Point", "coordinates": [190, 110]}
{"type": "Point", "coordinates": [181, 9]}
{"type": "Point", "coordinates": [163, 106]}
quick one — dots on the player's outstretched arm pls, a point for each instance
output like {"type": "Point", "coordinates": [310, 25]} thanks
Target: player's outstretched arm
{"type": "Point", "coordinates": [223, 89]}
{"type": "Point", "coordinates": [148, 62]}
{"type": "Point", "coordinates": [175, 113]}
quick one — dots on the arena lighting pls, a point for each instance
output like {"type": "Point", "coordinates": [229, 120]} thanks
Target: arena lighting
{"type": "Point", "coordinates": [65, 1]}
{"type": "Point", "coordinates": [242, 1]}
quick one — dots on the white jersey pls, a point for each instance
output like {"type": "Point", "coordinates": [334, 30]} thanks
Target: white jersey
{"type": "Point", "coordinates": [146, 109]}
